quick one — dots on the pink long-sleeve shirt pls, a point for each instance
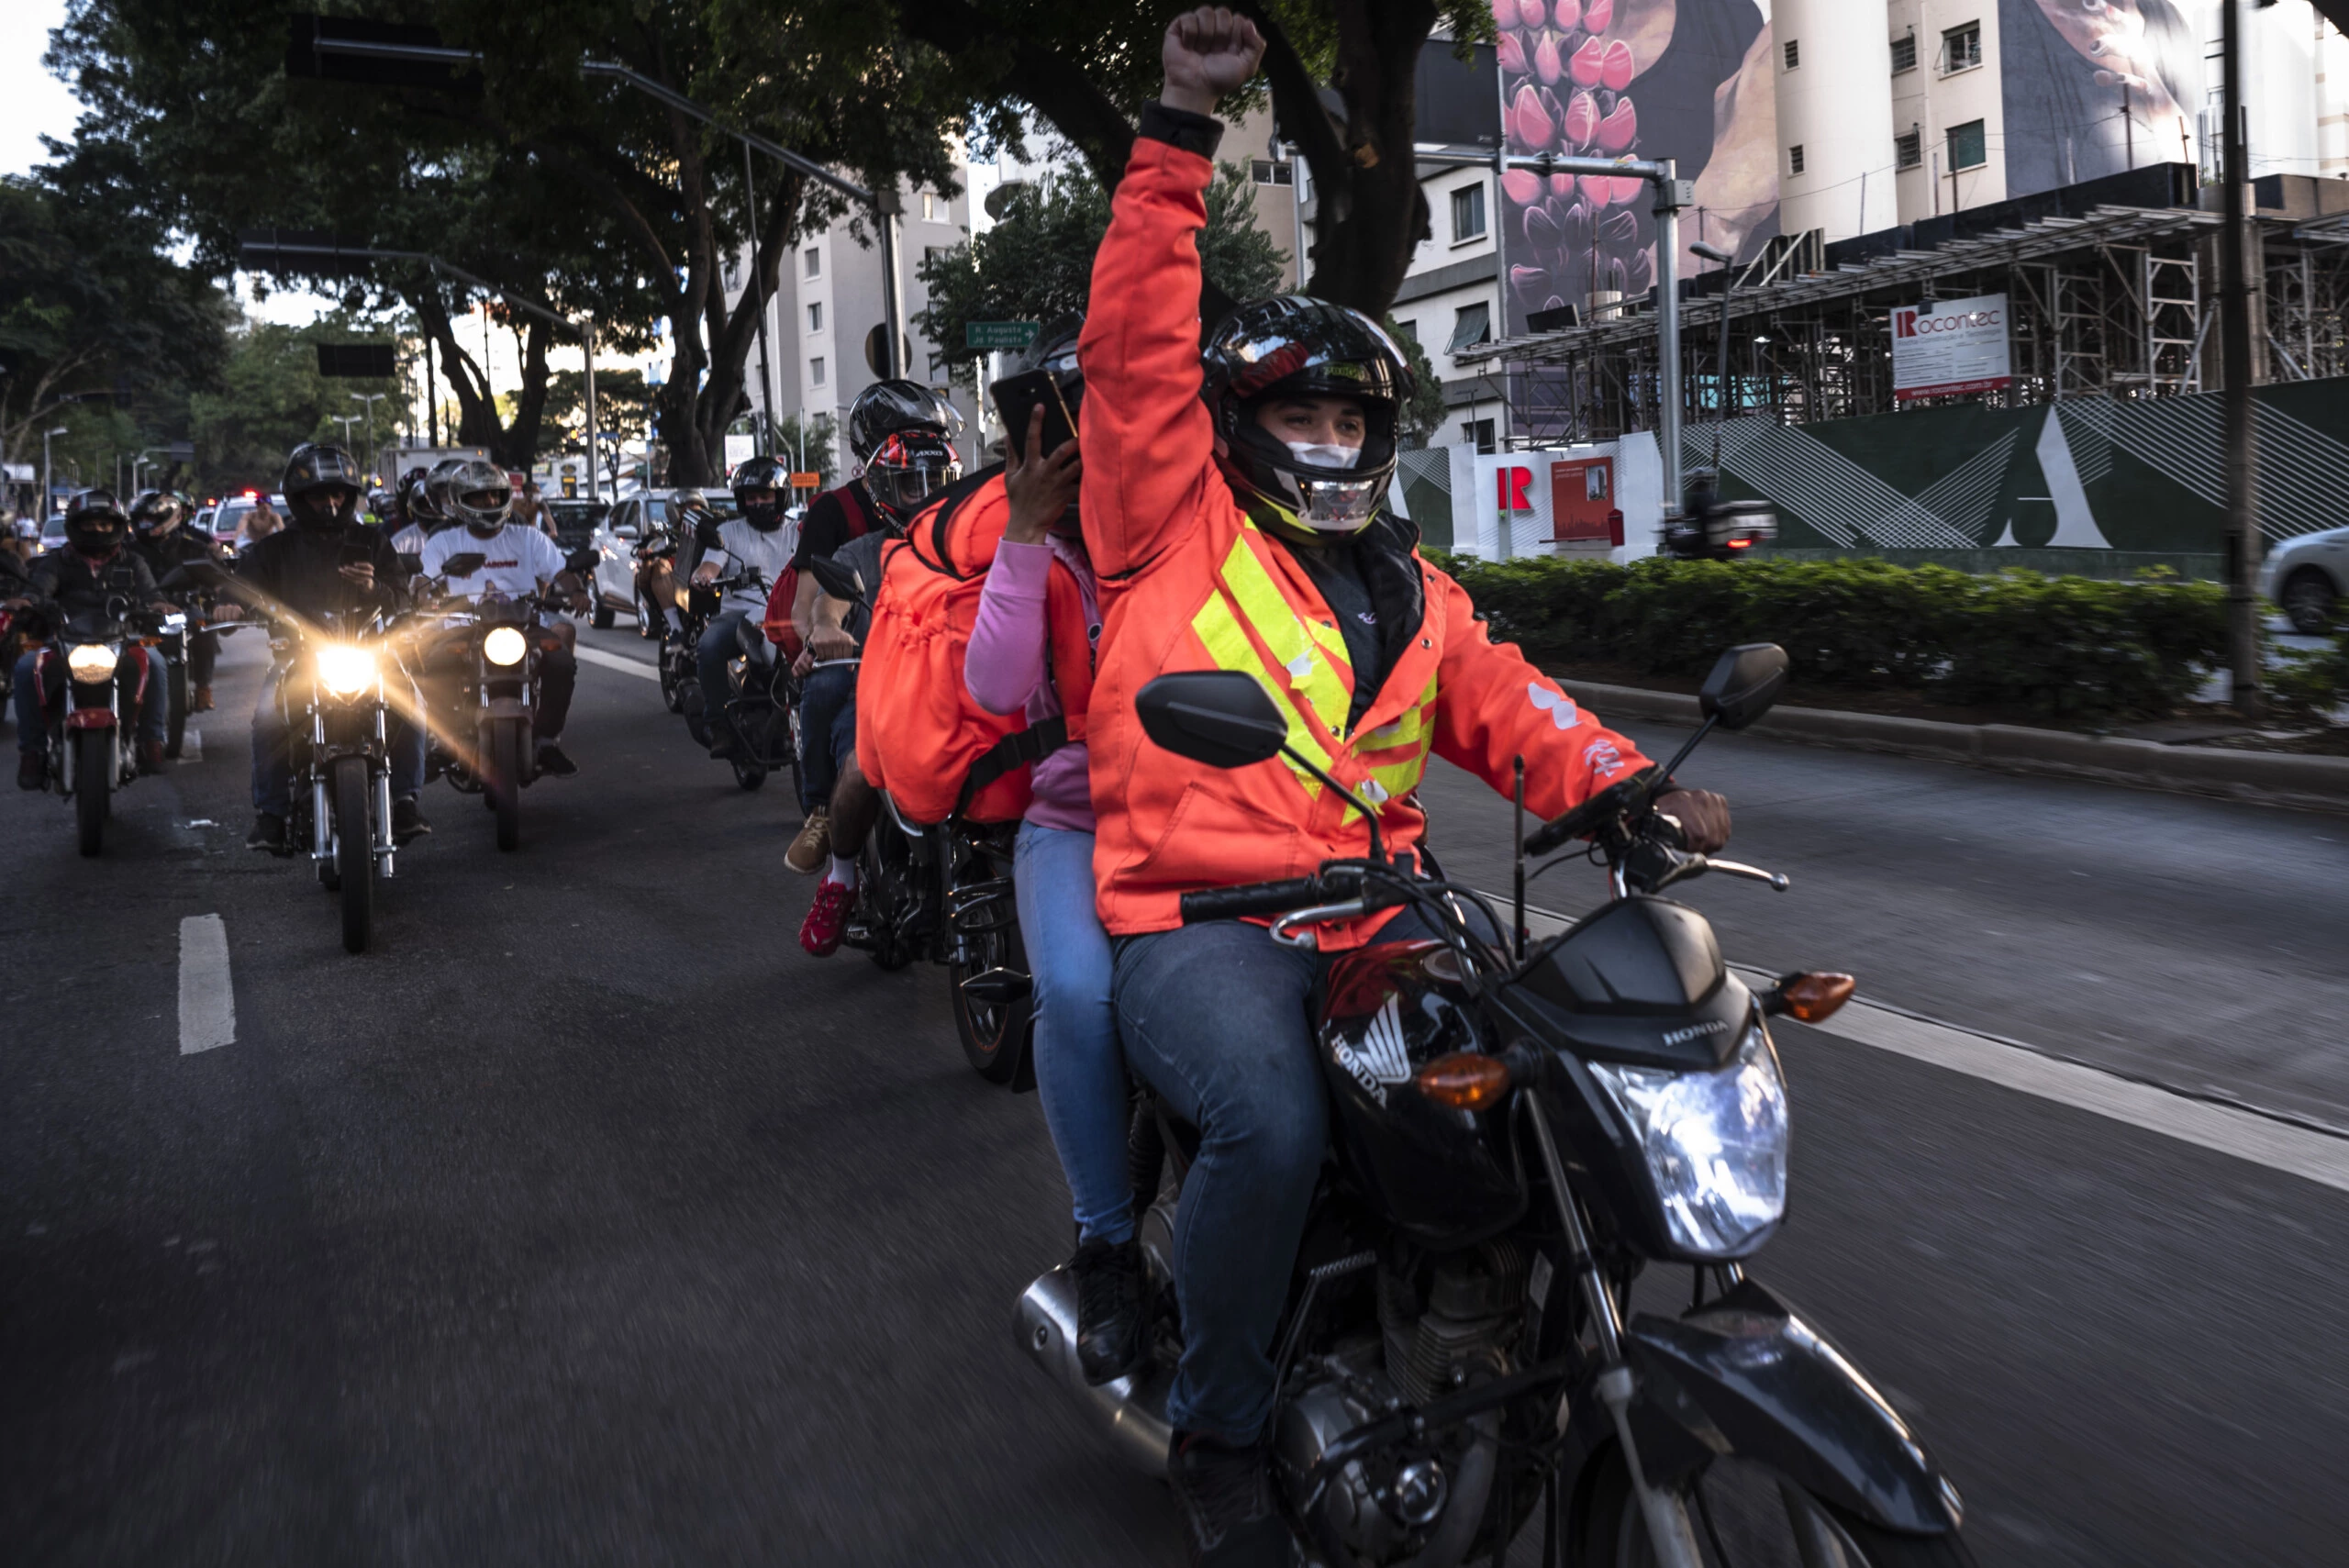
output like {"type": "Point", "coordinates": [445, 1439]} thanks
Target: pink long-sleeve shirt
{"type": "Point", "coordinates": [1007, 667]}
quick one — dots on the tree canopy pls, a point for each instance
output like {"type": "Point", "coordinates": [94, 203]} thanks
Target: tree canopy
{"type": "Point", "coordinates": [271, 399]}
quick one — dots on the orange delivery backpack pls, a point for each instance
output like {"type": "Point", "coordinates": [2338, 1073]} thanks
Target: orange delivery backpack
{"type": "Point", "coordinates": [920, 734]}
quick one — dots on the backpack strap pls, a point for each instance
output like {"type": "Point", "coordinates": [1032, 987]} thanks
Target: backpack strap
{"type": "Point", "coordinates": [1016, 750]}
{"type": "Point", "coordinates": [858, 524]}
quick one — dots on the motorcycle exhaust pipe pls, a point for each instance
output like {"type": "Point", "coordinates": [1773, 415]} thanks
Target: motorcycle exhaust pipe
{"type": "Point", "coordinates": [1135, 1408]}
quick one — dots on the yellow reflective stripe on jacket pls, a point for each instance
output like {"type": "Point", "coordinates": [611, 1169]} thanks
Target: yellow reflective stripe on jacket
{"type": "Point", "coordinates": [1412, 727]}
{"type": "Point", "coordinates": [1285, 632]}
{"type": "Point", "coordinates": [1227, 645]}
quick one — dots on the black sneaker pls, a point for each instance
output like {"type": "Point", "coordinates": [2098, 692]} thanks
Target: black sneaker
{"type": "Point", "coordinates": [269, 833]}
{"type": "Point", "coordinates": [723, 746]}
{"type": "Point", "coordinates": [32, 769]}
{"type": "Point", "coordinates": [1226, 1495]}
{"type": "Point", "coordinates": [552, 760]}
{"type": "Point", "coordinates": [1109, 1341]}
{"type": "Point", "coordinates": [408, 820]}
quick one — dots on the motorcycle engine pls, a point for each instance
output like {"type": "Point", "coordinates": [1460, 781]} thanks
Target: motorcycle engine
{"type": "Point", "coordinates": [1449, 1324]}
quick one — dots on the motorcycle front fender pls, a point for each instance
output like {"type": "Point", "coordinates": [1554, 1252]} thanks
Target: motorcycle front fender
{"type": "Point", "coordinates": [1745, 1377]}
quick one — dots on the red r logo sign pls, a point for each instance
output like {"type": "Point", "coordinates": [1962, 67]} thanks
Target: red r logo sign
{"type": "Point", "coordinates": [1513, 483]}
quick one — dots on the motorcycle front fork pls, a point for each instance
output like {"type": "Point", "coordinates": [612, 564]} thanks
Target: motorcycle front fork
{"type": "Point", "coordinates": [1671, 1536]}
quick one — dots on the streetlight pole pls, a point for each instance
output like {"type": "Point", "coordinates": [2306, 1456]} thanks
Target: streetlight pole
{"type": "Point", "coordinates": [595, 461]}
{"type": "Point", "coordinates": [2235, 306]}
{"type": "Point", "coordinates": [1721, 259]}
{"type": "Point", "coordinates": [47, 475]}
{"type": "Point", "coordinates": [346, 421]}
{"type": "Point", "coordinates": [370, 399]}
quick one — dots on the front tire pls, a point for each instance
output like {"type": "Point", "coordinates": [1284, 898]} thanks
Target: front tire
{"type": "Point", "coordinates": [673, 686]}
{"type": "Point", "coordinates": [177, 723]}
{"type": "Point", "coordinates": [600, 617]}
{"type": "Point", "coordinates": [503, 780]}
{"type": "Point", "coordinates": [2310, 602]}
{"type": "Point", "coordinates": [1609, 1534]}
{"type": "Point", "coordinates": [748, 775]}
{"type": "Point", "coordinates": [354, 852]}
{"type": "Point", "coordinates": [93, 783]}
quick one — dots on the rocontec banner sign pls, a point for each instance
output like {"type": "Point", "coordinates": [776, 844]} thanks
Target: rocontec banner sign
{"type": "Point", "coordinates": [1959, 345]}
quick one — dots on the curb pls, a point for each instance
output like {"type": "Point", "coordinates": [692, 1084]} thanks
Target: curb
{"type": "Point", "coordinates": [2270, 778]}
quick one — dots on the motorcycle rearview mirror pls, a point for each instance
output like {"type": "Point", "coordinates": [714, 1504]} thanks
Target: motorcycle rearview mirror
{"type": "Point", "coordinates": [411, 562]}
{"type": "Point", "coordinates": [1225, 719]}
{"type": "Point", "coordinates": [581, 560]}
{"type": "Point", "coordinates": [836, 578]}
{"type": "Point", "coordinates": [1221, 717]}
{"type": "Point", "coordinates": [1745, 681]}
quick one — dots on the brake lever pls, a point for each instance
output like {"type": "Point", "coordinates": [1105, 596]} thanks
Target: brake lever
{"type": "Point", "coordinates": [1777, 879]}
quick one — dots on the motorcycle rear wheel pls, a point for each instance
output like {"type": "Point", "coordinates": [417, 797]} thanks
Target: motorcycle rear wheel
{"type": "Point", "coordinates": [92, 782]}
{"type": "Point", "coordinates": [177, 723]}
{"type": "Point", "coordinates": [748, 775]}
{"type": "Point", "coordinates": [502, 780]}
{"type": "Point", "coordinates": [354, 853]}
{"type": "Point", "coordinates": [996, 1035]}
{"type": "Point", "coordinates": [1609, 1532]}
{"type": "Point", "coordinates": [673, 686]}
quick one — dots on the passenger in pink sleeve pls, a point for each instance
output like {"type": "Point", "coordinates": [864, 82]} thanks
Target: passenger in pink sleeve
{"type": "Point", "coordinates": [1080, 1071]}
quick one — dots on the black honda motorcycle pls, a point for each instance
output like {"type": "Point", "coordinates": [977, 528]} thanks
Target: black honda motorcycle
{"type": "Point", "coordinates": [91, 751]}
{"type": "Point", "coordinates": [337, 728]}
{"type": "Point", "coordinates": [1519, 1135]}
{"type": "Point", "coordinates": [943, 891]}
{"type": "Point", "coordinates": [762, 695]}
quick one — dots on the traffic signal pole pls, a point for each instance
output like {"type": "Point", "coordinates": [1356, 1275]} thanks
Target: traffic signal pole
{"type": "Point", "coordinates": [2235, 327]}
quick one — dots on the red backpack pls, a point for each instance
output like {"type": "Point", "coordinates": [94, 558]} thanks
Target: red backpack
{"type": "Point", "coordinates": [777, 623]}
{"type": "Point", "coordinates": [919, 735]}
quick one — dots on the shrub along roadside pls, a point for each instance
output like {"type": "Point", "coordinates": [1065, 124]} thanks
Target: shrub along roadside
{"type": "Point", "coordinates": [2071, 649]}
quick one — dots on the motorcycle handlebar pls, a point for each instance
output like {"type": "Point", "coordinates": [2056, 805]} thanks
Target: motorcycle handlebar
{"type": "Point", "coordinates": [1253, 898]}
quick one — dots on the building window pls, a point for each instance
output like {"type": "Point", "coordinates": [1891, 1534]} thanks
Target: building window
{"type": "Point", "coordinates": [1966, 146]}
{"type": "Point", "coordinates": [1904, 54]}
{"type": "Point", "coordinates": [1269, 172]}
{"type": "Point", "coordinates": [1468, 213]}
{"type": "Point", "coordinates": [1408, 330]}
{"type": "Point", "coordinates": [811, 263]}
{"type": "Point", "coordinates": [1962, 48]}
{"type": "Point", "coordinates": [1794, 54]}
{"type": "Point", "coordinates": [1909, 151]}
{"type": "Point", "coordinates": [1794, 159]}
{"type": "Point", "coordinates": [1471, 325]}
{"type": "Point", "coordinates": [816, 371]}
{"type": "Point", "coordinates": [1478, 433]}
{"type": "Point", "coordinates": [928, 207]}
{"type": "Point", "coordinates": [815, 317]}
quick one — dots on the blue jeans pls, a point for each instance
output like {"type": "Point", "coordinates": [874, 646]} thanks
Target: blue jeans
{"type": "Point", "coordinates": [273, 764]}
{"type": "Point", "coordinates": [827, 731]}
{"type": "Point", "coordinates": [1079, 1074]}
{"type": "Point", "coordinates": [717, 646]}
{"type": "Point", "coordinates": [1215, 1018]}
{"type": "Point", "coordinates": [149, 719]}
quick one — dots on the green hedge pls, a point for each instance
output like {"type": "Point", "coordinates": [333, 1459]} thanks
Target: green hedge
{"type": "Point", "coordinates": [2065, 647]}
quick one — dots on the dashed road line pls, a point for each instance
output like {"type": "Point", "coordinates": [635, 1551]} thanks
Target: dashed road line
{"type": "Point", "coordinates": [207, 999]}
{"type": "Point", "coordinates": [617, 662]}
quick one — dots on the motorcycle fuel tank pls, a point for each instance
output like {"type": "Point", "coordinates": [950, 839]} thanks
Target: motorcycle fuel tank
{"type": "Point", "coordinates": [1445, 1177]}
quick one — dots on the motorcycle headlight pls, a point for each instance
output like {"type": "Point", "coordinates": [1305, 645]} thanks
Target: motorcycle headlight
{"type": "Point", "coordinates": [503, 645]}
{"type": "Point", "coordinates": [346, 672]}
{"type": "Point", "coordinates": [91, 662]}
{"type": "Point", "coordinates": [1716, 1144]}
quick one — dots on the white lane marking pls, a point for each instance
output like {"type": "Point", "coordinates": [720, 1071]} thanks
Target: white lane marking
{"type": "Point", "coordinates": [208, 1000]}
{"type": "Point", "coordinates": [616, 661]}
{"type": "Point", "coordinates": [2277, 1144]}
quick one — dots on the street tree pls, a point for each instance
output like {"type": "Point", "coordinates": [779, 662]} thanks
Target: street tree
{"type": "Point", "coordinates": [271, 398]}
{"type": "Point", "coordinates": [1340, 75]}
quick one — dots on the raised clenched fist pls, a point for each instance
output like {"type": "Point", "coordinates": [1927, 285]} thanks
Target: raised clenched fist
{"type": "Point", "coordinates": [1207, 53]}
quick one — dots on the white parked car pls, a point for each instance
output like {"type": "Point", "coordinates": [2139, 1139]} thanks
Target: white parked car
{"type": "Point", "coordinates": [647, 514]}
{"type": "Point", "coordinates": [2307, 576]}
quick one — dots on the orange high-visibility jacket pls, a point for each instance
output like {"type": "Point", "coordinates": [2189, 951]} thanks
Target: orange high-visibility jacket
{"type": "Point", "coordinates": [1189, 583]}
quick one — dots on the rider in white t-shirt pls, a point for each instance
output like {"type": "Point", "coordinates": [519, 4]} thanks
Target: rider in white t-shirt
{"type": "Point", "coordinates": [760, 545]}
{"type": "Point", "coordinates": [491, 556]}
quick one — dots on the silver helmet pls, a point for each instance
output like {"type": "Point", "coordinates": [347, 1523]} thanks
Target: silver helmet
{"type": "Point", "coordinates": [479, 496]}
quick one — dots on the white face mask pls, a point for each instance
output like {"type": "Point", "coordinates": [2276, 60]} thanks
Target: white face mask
{"type": "Point", "coordinates": [1324, 455]}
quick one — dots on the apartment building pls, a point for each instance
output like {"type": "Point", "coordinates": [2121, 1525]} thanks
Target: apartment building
{"type": "Point", "coordinates": [824, 319]}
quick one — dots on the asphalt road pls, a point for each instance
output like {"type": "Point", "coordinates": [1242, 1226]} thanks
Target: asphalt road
{"type": "Point", "coordinates": [587, 1220]}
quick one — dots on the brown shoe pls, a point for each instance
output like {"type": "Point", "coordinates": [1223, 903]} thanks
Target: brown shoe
{"type": "Point", "coordinates": [812, 850]}
{"type": "Point", "coordinates": [200, 700]}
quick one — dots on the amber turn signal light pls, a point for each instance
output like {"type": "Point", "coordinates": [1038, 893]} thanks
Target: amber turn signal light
{"type": "Point", "coordinates": [1465, 1080]}
{"type": "Point", "coordinates": [1814, 998]}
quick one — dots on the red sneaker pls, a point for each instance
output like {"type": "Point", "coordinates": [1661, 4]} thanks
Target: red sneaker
{"type": "Point", "coordinates": [826, 918]}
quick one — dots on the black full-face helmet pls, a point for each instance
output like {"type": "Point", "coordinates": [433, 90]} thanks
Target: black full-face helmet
{"type": "Point", "coordinates": [96, 526]}
{"type": "Point", "coordinates": [1292, 346]}
{"type": "Point", "coordinates": [890, 407]}
{"type": "Point", "coordinates": [436, 486]}
{"type": "Point", "coordinates": [752, 475]}
{"type": "Point", "coordinates": [479, 496]}
{"type": "Point", "coordinates": [322, 486]}
{"type": "Point", "coordinates": [417, 506]}
{"type": "Point", "coordinates": [910, 468]}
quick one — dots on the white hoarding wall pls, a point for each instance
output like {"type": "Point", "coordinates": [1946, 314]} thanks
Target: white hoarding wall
{"type": "Point", "coordinates": [1956, 346]}
{"type": "Point", "coordinates": [1483, 526]}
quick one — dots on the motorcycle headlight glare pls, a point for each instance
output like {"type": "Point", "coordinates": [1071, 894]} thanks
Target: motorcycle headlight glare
{"type": "Point", "coordinates": [91, 662]}
{"type": "Point", "coordinates": [503, 645]}
{"type": "Point", "coordinates": [1716, 1145]}
{"type": "Point", "coordinates": [346, 672]}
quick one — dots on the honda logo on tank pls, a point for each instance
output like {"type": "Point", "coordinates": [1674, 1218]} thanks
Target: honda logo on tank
{"type": "Point", "coordinates": [1959, 345]}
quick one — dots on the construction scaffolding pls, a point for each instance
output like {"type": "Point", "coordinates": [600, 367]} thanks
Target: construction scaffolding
{"type": "Point", "coordinates": [2105, 301]}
